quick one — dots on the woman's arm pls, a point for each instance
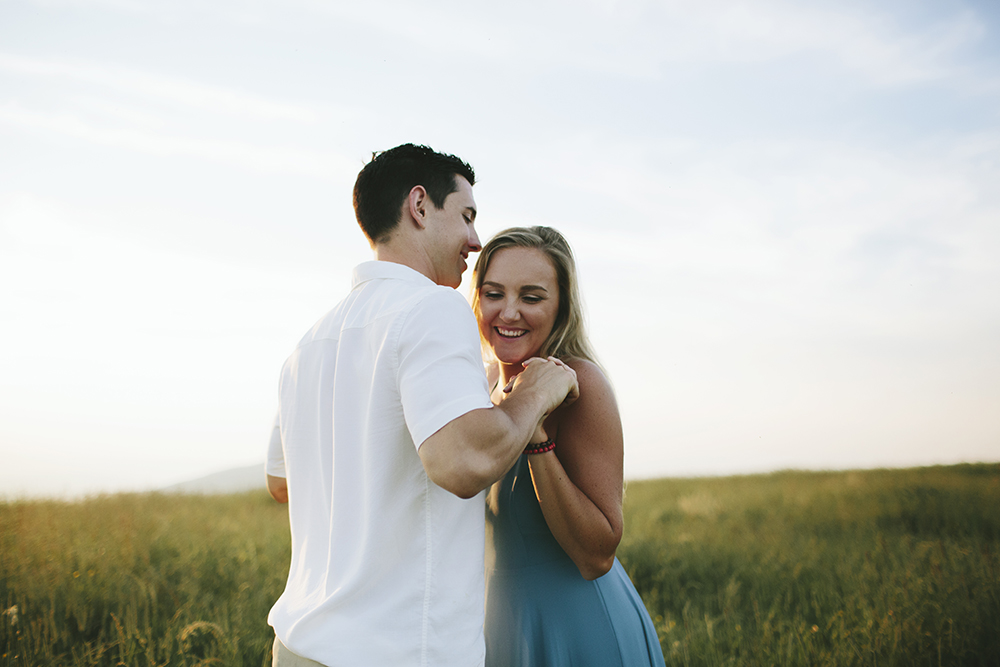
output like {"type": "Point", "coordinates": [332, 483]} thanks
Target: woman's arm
{"type": "Point", "coordinates": [579, 484]}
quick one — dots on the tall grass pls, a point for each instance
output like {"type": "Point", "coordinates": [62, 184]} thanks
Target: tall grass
{"type": "Point", "coordinates": [862, 568]}
{"type": "Point", "coordinates": [882, 567]}
{"type": "Point", "coordinates": [141, 579]}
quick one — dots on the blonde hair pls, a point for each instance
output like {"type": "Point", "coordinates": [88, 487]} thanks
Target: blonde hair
{"type": "Point", "coordinates": [568, 338]}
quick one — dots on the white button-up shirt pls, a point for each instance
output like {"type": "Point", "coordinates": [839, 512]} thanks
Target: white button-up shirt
{"type": "Point", "coordinates": [387, 567]}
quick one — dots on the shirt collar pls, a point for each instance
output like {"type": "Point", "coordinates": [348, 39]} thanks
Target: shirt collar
{"type": "Point", "coordinates": [375, 270]}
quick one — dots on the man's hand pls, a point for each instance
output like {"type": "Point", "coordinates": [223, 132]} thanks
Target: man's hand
{"type": "Point", "coordinates": [278, 488]}
{"type": "Point", "coordinates": [551, 378]}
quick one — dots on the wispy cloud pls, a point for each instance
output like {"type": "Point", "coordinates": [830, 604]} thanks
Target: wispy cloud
{"type": "Point", "coordinates": [243, 155]}
{"type": "Point", "coordinates": [640, 38]}
{"type": "Point", "coordinates": [625, 38]}
{"type": "Point", "coordinates": [164, 88]}
{"type": "Point", "coordinates": [815, 234]}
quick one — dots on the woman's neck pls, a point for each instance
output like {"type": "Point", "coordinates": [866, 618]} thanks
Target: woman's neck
{"type": "Point", "coordinates": [508, 372]}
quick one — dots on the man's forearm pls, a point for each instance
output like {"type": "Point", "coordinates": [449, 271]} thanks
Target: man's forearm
{"type": "Point", "coordinates": [474, 450]}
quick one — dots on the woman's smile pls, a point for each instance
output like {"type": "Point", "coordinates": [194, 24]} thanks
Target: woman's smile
{"type": "Point", "coordinates": [510, 333]}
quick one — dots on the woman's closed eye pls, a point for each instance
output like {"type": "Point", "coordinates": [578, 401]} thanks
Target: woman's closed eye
{"type": "Point", "coordinates": [492, 295]}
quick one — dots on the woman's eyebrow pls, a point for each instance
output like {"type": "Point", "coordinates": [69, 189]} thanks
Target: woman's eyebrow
{"type": "Point", "coordinates": [525, 288]}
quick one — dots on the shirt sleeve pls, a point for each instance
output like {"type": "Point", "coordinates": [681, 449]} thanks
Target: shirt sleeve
{"type": "Point", "coordinates": [441, 374]}
{"type": "Point", "coordinates": [275, 455]}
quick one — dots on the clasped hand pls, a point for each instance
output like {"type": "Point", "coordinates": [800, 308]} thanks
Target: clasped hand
{"type": "Point", "coordinates": [553, 379]}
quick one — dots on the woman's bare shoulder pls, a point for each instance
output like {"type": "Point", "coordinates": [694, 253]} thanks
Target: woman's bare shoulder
{"type": "Point", "coordinates": [590, 376]}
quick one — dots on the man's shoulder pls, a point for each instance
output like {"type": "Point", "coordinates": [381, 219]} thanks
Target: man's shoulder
{"type": "Point", "coordinates": [395, 297]}
{"type": "Point", "coordinates": [389, 287]}
{"type": "Point", "coordinates": [440, 311]}
{"type": "Point", "coordinates": [443, 298]}
{"type": "Point", "coordinates": [383, 302]}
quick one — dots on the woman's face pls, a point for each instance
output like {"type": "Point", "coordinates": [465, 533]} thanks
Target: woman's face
{"type": "Point", "coordinates": [518, 303]}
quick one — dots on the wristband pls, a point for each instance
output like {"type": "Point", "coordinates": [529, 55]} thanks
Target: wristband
{"type": "Point", "coordinates": [540, 447]}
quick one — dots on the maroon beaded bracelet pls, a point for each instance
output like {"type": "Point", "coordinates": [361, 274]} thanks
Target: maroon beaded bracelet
{"type": "Point", "coordinates": [540, 447]}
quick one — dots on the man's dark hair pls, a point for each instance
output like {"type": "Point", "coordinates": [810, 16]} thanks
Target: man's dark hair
{"type": "Point", "coordinates": [386, 181]}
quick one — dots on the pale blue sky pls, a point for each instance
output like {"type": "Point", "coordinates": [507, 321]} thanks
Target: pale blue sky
{"type": "Point", "coordinates": [787, 217]}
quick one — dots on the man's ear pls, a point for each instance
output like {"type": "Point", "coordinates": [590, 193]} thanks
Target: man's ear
{"type": "Point", "coordinates": [417, 202]}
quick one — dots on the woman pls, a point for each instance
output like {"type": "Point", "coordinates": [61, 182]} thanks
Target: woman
{"type": "Point", "coordinates": [555, 594]}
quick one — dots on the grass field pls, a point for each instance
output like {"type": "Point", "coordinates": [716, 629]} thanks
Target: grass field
{"type": "Point", "coordinates": [885, 567]}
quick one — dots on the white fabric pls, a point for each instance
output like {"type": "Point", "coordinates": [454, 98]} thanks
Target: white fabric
{"type": "Point", "coordinates": [387, 567]}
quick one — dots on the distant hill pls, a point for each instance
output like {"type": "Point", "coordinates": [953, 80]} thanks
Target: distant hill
{"type": "Point", "coordinates": [228, 481]}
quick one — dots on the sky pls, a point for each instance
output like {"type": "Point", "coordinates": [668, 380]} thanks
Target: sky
{"type": "Point", "coordinates": [786, 216]}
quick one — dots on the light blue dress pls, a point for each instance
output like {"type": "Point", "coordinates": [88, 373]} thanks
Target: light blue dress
{"type": "Point", "coordinates": [539, 611]}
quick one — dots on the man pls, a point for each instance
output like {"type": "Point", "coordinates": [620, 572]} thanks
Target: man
{"type": "Point", "coordinates": [389, 437]}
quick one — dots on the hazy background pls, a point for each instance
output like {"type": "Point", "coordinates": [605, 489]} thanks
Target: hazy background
{"type": "Point", "coordinates": [787, 216]}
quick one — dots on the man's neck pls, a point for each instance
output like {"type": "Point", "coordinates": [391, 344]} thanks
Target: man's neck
{"type": "Point", "coordinates": [391, 252]}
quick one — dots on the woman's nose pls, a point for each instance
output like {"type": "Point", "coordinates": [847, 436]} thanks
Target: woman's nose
{"type": "Point", "coordinates": [510, 312]}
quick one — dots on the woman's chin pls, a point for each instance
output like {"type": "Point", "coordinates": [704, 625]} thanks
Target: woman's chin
{"type": "Point", "coordinates": [511, 358]}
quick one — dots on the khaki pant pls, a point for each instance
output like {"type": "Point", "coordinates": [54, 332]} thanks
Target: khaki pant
{"type": "Point", "coordinates": [282, 657]}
